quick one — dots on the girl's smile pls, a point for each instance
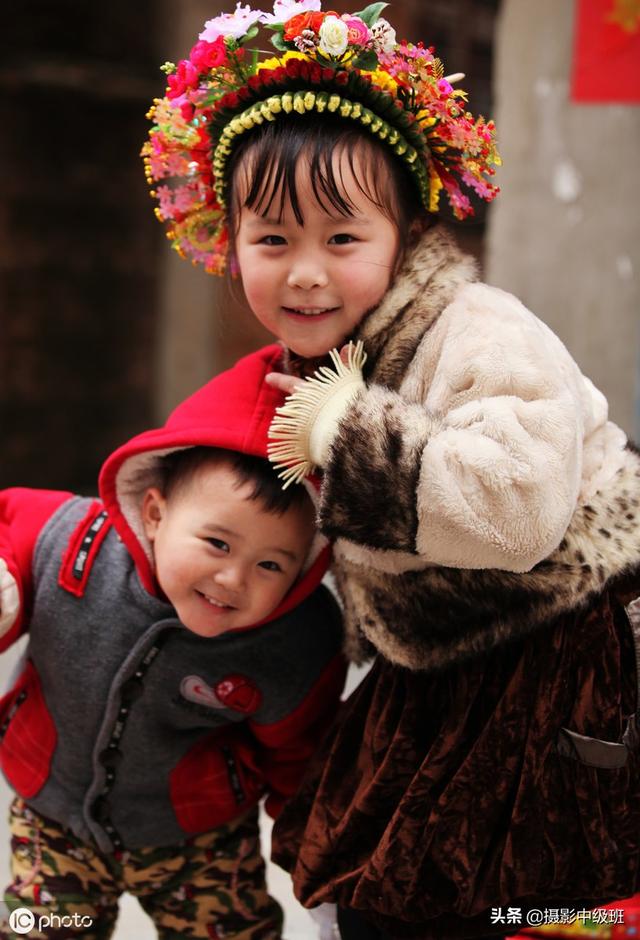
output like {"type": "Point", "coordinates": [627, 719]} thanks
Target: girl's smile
{"type": "Point", "coordinates": [310, 284]}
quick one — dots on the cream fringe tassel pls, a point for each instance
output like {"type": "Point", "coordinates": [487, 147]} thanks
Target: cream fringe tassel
{"type": "Point", "coordinates": [291, 427]}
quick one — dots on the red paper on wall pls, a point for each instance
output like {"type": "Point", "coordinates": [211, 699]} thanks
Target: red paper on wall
{"type": "Point", "coordinates": [606, 54]}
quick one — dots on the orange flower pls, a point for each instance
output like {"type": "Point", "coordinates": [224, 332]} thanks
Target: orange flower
{"type": "Point", "coordinates": [309, 20]}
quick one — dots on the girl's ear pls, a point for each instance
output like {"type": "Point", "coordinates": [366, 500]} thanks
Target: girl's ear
{"type": "Point", "coordinates": [153, 510]}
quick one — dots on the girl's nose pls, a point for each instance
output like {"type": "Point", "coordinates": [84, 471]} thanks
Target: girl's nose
{"type": "Point", "coordinates": [307, 273]}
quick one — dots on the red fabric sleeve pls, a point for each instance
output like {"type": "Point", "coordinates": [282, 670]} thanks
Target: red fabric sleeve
{"type": "Point", "coordinates": [287, 745]}
{"type": "Point", "coordinates": [23, 513]}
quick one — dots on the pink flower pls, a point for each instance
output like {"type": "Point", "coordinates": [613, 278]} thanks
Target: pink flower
{"type": "Point", "coordinates": [358, 33]}
{"type": "Point", "coordinates": [445, 87]}
{"type": "Point", "coordinates": [208, 55]}
{"type": "Point", "coordinates": [234, 24]}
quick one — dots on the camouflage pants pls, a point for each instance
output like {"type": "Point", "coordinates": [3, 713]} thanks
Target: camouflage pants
{"type": "Point", "coordinates": [209, 886]}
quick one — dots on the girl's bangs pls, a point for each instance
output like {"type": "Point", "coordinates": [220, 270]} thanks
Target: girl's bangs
{"type": "Point", "coordinates": [265, 174]}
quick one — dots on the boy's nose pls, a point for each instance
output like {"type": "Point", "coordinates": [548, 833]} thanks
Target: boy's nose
{"type": "Point", "coordinates": [231, 577]}
{"type": "Point", "coordinates": [305, 274]}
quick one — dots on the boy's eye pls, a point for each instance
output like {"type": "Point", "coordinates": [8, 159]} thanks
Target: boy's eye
{"type": "Point", "coordinates": [273, 240]}
{"type": "Point", "coordinates": [270, 565]}
{"type": "Point", "coordinates": [219, 544]}
{"type": "Point", "coordinates": [342, 238]}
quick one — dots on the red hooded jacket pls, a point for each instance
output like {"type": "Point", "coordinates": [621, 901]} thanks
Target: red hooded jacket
{"type": "Point", "coordinates": [124, 726]}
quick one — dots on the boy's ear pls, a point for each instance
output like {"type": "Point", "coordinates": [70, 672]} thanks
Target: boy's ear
{"type": "Point", "coordinates": [153, 507]}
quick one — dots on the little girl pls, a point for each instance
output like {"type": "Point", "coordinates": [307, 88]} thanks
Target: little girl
{"type": "Point", "coordinates": [485, 512]}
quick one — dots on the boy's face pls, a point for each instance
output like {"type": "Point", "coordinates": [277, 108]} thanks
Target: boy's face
{"type": "Point", "coordinates": [311, 285]}
{"type": "Point", "coordinates": [220, 558]}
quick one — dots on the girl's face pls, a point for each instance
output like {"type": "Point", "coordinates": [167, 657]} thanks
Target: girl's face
{"type": "Point", "coordinates": [310, 285]}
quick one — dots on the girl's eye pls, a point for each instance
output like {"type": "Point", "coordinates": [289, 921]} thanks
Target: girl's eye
{"type": "Point", "coordinates": [273, 240]}
{"type": "Point", "coordinates": [219, 544]}
{"type": "Point", "coordinates": [270, 565]}
{"type": "Point", "coordinates": [342, 238]}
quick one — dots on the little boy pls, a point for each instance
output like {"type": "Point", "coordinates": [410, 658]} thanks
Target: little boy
{"type": "Point", "coordinates": [183, 660]}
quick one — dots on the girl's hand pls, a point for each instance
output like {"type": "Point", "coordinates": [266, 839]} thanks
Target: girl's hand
{"type": "Point", "coordinates": [303, 429]}
{"type": "Point", "coordinates": [289, 383]}
{"type": "Point", "coordinates": [286, 383]}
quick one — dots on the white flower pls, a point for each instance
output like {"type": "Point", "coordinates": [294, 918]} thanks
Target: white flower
{"type": "Point", "coordinates": [306, 41]}
{"type": "Point", "coordinates": [384, 36]}
{"type": "Point", "coordinates": [334, 35]}
{"type": "Point", "coordinates": [234, 24]}
{"type": "Point", "coordinates": [283, 10]}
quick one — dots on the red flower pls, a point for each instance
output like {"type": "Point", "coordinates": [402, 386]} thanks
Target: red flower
{"type": "Point", "coordinates": [187, 110]}
{"type": "Point", "coordinates": [185, 77]}
{"type": "Point", "coordinates": [293, 66]}
{"type": "Point", "coordinates": [229, 101]}
{"type": "Point", "coordinates": [294, 26]}
{"type": "Point", "coordinates": [342, 77]}
{"type": "Point", "coordinates": [255, 81]}
{"type": "Point", "coordinates": [208, 55]}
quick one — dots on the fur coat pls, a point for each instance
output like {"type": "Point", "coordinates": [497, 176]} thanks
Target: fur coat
{"type": "Point", "coordinates": [487, 525]}
{"type": "Point", "coordinates": [475, 489]}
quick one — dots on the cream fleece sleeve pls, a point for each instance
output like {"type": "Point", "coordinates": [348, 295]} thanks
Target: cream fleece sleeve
{"type": "Point", "coordinates": [476, 461]}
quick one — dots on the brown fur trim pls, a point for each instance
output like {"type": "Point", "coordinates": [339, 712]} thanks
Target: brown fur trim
{"type": "Point", "coordinates": [432, 274]}
{"type": "Point", "coordinates": [432, 618]}
{"type": "Point", "coordinates": [374, 464]}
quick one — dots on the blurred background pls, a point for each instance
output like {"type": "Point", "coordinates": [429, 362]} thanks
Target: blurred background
{"type": "Point", "coordinates": [103, 329]}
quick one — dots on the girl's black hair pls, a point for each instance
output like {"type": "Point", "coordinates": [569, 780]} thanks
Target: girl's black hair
{"type": "Point", "coordinates": [269, 155]}
{"type": "Point", "coordinates": [180, 466]}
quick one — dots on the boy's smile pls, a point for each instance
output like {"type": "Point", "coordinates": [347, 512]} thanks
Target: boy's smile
{"type": "Point", "coordinates": [222, 560]}
{"type": "Point", "coordinates": [310, 285]}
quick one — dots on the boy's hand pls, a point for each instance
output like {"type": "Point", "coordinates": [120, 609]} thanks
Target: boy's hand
{"type": "Point", "coordinates": [9, 598]}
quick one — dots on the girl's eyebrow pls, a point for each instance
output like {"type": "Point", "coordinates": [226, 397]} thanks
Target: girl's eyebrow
{"type": "Point", "coordinates": [255, 220]}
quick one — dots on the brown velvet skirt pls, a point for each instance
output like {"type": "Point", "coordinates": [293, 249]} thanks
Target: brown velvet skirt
{"type": "Point", "coordinates": [440, 796]}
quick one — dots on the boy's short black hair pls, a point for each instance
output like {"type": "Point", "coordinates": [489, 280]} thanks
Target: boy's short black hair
{"type": "Point", "coordinates": [180, 466]}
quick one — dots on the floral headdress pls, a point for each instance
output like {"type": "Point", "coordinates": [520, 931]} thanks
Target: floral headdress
{"type": "Point", "coordinates": [351, 66]}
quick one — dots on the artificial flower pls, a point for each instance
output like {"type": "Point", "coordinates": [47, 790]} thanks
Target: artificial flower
{"type": "Point", "coordinates": [358, 33]}
{"type": "Point", "coordinates": [208, 55]}
{"type": "Point", "coordinates": [186, 76]}
{"type": "Point", "coordinates": [301, 22]}
{"type": "Point", "coordinates": [334, 36]}
{"type": "Point", "coordinates": [235, 24]}
{"type": "Point", "coordinates": [383, 35]}
{"type": "Point", "coordinates": [284, 10]}
{"type": "Point", "coordinates": [306, 41]}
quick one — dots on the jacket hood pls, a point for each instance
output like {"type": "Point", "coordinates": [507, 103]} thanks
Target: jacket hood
{"type": "Point", "coordinates": [232, 411]}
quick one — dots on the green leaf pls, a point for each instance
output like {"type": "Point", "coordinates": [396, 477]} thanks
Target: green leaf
{"type": "Point", "coordinates": [249, 35]}
{"type": "Point", "coordinates": [278, 41]}
{"type": "Point", "coordinates": [366, 60]}
{"type": "Point", "coordinates": [371, 13]}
